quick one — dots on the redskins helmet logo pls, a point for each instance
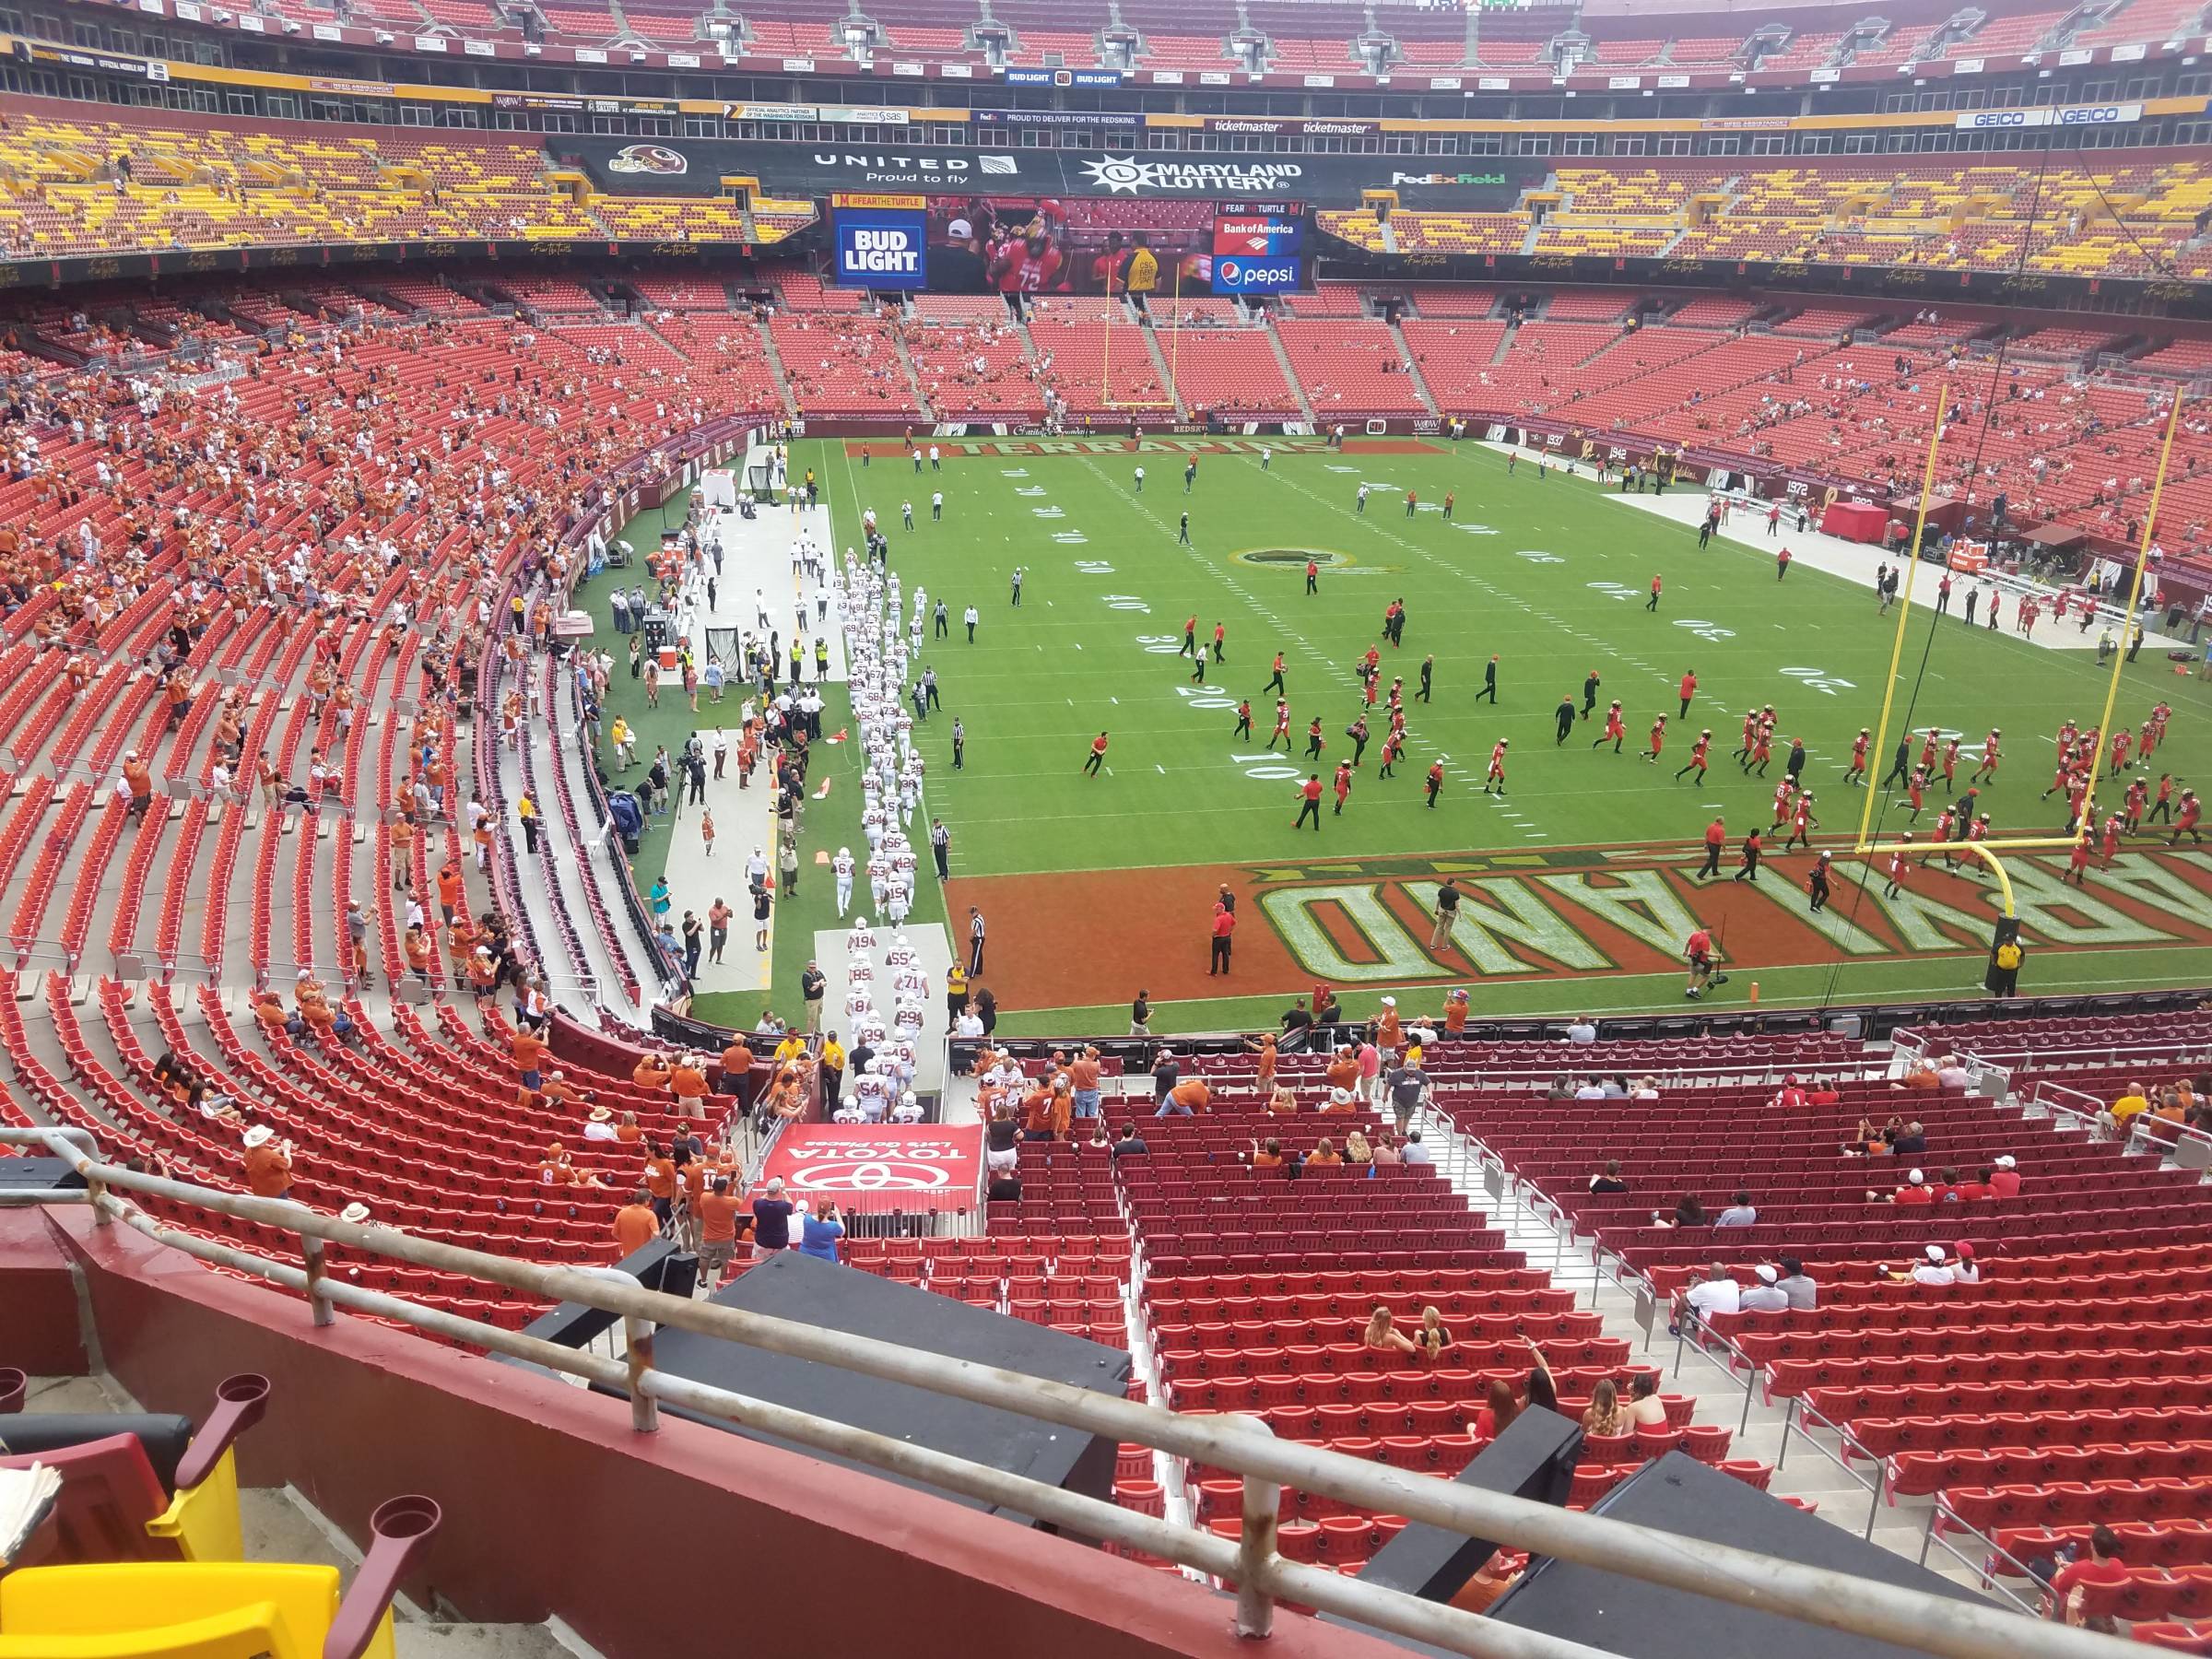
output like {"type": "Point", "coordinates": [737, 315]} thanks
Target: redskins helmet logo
{"type": "Point", "coordinates": [647, 158]}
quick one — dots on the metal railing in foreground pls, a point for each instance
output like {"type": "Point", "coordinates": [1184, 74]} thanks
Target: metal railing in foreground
{"type": "Point", "coordinates": [1245, 1446]}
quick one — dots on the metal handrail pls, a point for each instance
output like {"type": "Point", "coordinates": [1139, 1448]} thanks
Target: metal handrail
{"type": "Point", "coordinates": [1909, 1619]}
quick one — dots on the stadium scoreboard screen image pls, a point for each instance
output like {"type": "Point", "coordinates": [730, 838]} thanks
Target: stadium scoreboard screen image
{"type": "Point", "coordinates": [1258, 251]}
{"type": "Point", "coordinates": [882, 242]}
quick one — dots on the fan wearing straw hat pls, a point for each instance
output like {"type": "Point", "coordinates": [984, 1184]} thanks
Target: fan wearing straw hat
{"type": "Point", "coordinates": [268, 1164]}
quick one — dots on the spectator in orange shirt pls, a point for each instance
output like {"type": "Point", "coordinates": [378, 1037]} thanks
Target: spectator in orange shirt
{"type": "Point", "coordinates": [1455, 1014]}
{"type": "Point", "coordinates": [688, 1083]}
{"type": "Point", "coordinates": [268, 1164]}
{"type": "Point", "coordinates": [1325, 1155]}
{"type": "Point", "coordinates": [736, 1063]}
{"type": "Point", "coordinates": [718, 1213]}
{"type": "Point", "coordinates": [1267, 1154]}
{"type": "Point", "coordinates": [529, 1050]}
{"type": "Point", "coordinates": [659, 1180]}
{"type": "Point", "coordinates": [650, 1073]}
{"type": "Point", "coordinates": [636, 1225]}
{"type": "Point", "coordinates": [1187, 1099]}
{"type": "Point", "coordinates": [1343, 1072]}
{"type": "Point", "coordinates": [626, 1129]}
{"type": "Point", "coordinates": [449, 890]}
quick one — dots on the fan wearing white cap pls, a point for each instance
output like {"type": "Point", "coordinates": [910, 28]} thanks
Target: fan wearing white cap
{"type": "Point", "coordinates": [268, 1164]}
{"type": "Point", "coordinates": [2003, 1178]}
{"type": "Point", "coordinates": [1916, 1190]}
{"type": "Point", "coordinates": [1766, 1296]}
{"type": "Point", "coordinates": [1930, 1269]}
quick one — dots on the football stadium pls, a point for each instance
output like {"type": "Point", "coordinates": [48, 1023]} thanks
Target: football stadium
{"type": "Point", "coordinates": [760, 759]}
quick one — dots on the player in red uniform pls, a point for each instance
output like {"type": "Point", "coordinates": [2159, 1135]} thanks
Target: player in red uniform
{"type": "Point", "coordinates": [1027, 265]}
{"type": "Point", "coordinates": [1857, 772]}
{"type": "Point", "coordinates": [1658, 738]}
{"type": "Point", "coordinates": [1434, 782]}
{"type": "Point", "coordinates": [1393, 746]}
{"type": "Point", "coordinates": [1951, 764]}
{"type": "Point", "coordinates": [1697, 757]}
{"type": "Point", "coordinates": [1762, 749]}
{"type": "Point", "coordinates": [1742, 752]}
{"type": "Point", "coordinates": [2184, 822]}
{"type": "Point", "coordinates": [1915, 789]}
{"type": "Point", "coordinates": [1616, 728]}
{"type": "Point", "coordinates": [1497, 773]}
{"type": "Point", "coordinates": [2112, 840]}
{"type": "Point", "coordinates": [1927, 752]}
{"type": "Point", "coordinates": [1897, 867]}
{"type": "Point", "coordinates": [1786, 797]}
{"type": "Point", "coordinates": [1282, 725]}
{"type": "Point", "coordinates": [1802, 825]}
{"type": "Point", "coordinates": [1342, 785]}
{"type": "Point", "coordinates": [2123, 740]}
{"type": "Point", "coordinates": [1688, 687]}
{"type": "Point", "coordinates": [1988, 769]}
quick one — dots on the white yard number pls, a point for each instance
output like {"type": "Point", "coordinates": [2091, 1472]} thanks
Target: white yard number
{"type": "Point", "coordinates": [1612, 590]}
{"type": "Point", "coordinates": [1195, 698]}
{"type": "Point", "coordinates": [1264, 772]}
{"type": "Point", "coordinates": [1537, 556]}
{"type": "Point", "coordinates": [1128, 602]}
{"type": "Point", "coordinates": [1093, 567]}
{"type": "Point", "coordinates": [1820, 680]}
{"type": "Point", "coordinates": [1070, 539]}
{"type": "Point", "coordinates": [1711, 630]}
{"type": "Point", "coordinates": [1160, 644]}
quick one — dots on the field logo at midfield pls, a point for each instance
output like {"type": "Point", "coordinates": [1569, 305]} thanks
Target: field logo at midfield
{"type": "Point", "coordinates": [1295, 558]}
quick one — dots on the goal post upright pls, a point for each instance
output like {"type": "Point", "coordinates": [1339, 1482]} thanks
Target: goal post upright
{"type": "Point", "coordinates": [1993, 852]}
{"type": "Point", "coordinates": [1904, 609]}
{"type": "Point", "coordinates": [2135, 601]}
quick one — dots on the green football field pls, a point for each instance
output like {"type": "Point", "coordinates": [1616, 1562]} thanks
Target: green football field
{"type": "Point", "coordinates": [1583, 871]}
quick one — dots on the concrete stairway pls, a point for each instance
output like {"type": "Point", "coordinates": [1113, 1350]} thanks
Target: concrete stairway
{"type": "Point", "coordinates": [1413, 371]}
{"type": "Point", "coordinates": [1282, 357]}
{"type": "Point", "coordinates": [775, 367]}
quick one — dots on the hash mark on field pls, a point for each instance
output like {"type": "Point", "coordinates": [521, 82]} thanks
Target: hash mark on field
{"type": "Point", "coordinates": [1159, 769]}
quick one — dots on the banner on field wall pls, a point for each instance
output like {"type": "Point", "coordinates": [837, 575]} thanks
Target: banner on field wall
{"type": "Point", "coordinates": [880, 1166]}
{"type": "Point", "coordinates": [882, 248]}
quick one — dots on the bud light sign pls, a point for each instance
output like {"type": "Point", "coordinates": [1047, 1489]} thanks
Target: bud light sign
{"type": "Point", "coordinates": [1239, 274]}
{"type": "Point", "coordinates": [881, 249]}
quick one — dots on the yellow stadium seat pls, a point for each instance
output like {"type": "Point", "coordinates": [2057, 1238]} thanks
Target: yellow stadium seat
{"type": "Point", "coordinates": [174, 1610]}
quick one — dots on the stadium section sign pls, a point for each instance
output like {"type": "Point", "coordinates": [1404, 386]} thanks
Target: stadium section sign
{"type": "Point", "coordinates": [901, 1166]}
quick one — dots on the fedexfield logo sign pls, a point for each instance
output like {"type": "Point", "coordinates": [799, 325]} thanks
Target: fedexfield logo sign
{"type": "Point", "coordinates": [1127, 176]}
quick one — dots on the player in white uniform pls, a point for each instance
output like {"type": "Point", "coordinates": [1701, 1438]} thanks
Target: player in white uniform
{"type": "Point", "coordinates": [842, 866]}
{"type": "Point", "coordinates": [908, 1110]}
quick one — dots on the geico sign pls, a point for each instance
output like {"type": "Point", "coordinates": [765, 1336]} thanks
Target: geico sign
{"type": "Point", "coordinates": [2079, 115]}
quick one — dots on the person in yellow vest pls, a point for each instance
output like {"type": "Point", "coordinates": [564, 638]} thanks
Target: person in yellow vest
{"type": "Point", "coordinates": [1142, 273]}
{"type": "Point", "coordinates": [526, 809]}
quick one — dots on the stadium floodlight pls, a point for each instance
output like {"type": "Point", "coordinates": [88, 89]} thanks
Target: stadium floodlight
{"type": "Point", "coordinates": [1989, 853]}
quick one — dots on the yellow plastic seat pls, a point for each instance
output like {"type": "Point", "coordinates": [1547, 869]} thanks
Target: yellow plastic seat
{"type": "Point", "coordinates": [174, 1610]}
